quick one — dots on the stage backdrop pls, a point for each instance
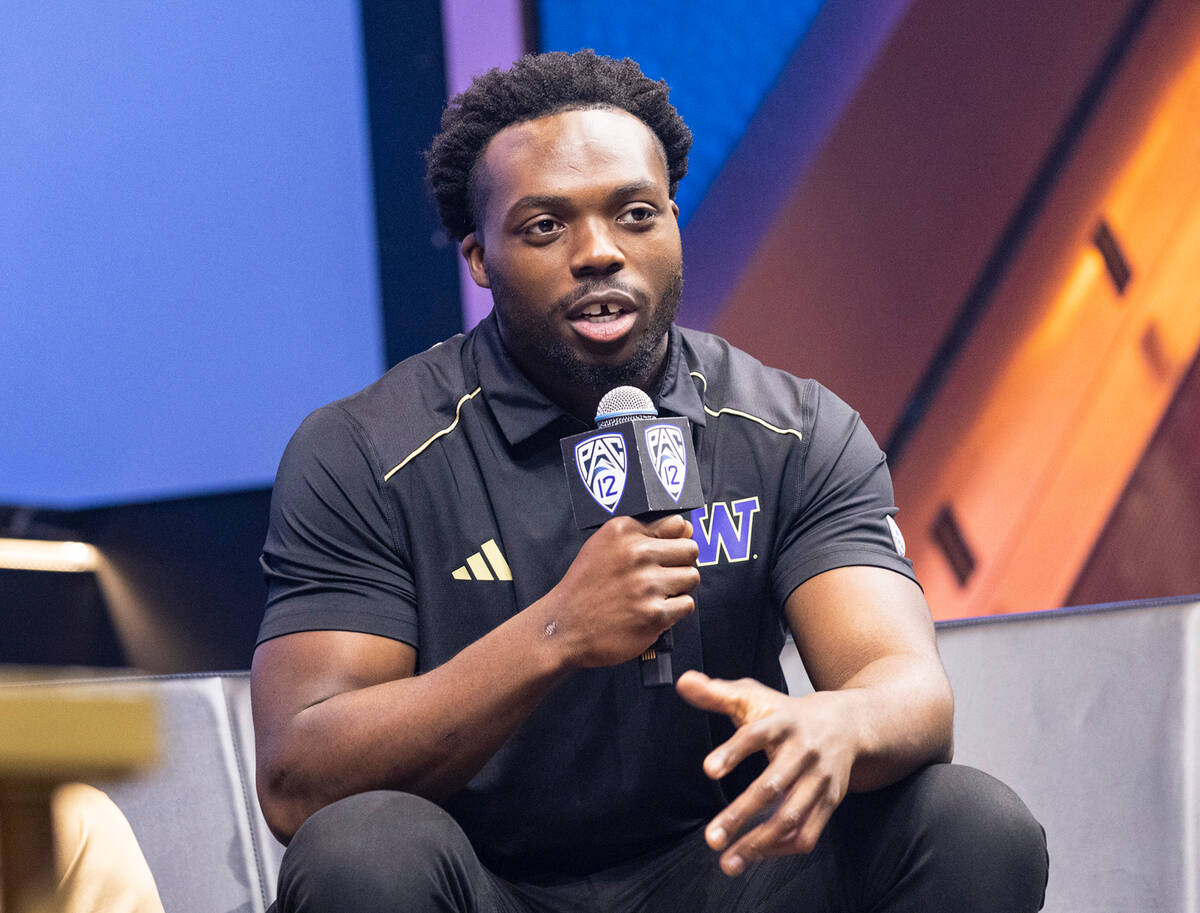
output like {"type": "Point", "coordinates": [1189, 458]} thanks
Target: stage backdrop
{"type": "Point", "coordinates": [189, 261]}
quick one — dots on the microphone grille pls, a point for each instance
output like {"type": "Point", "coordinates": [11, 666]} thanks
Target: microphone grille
{"type": "Point", "coordinates": [621, 404]}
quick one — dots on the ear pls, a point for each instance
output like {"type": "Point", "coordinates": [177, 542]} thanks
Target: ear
{"type": "Point", "coordinates": [675, 209]}
{"type": "Point", "coordinates": [472, 251]}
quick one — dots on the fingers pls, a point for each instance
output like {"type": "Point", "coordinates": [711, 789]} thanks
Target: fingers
{"type": "Point", "coordinates": [679, 553]}
{"type": "Point", "coordinates": [768, 789]}
{"type": "Point", "coordinates": [759, 735]}
{"type": "Point", "coordinates": [717, 695]}
{"type": "Point", "coordinates": [696, 688]}
{"type": "Point", "coordinates": [794, 827]}
{"type": "Point", "coordinates": [805, 779]}
{"type": "Point", "coordinates": [666, 541]}
{"type": "Point", "coordinates": [675, 609]}
{"type": "Point", "coordinates": [672, 541]}
{"type": "Point", "coordinates": [677, 581]}
{"type": "Point", "coordinates": [672, 526]}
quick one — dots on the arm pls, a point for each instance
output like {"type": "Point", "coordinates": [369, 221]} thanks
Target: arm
{"type": "Point", "coordinates": [336, 713]}
{"type": "Point", "coordinates": [882, 708]}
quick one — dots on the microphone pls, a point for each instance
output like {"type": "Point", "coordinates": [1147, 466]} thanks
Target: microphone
{"type": "Point", "coordinates": [623, 404]}
{"type": "Point", "coordinates": [634, 464]}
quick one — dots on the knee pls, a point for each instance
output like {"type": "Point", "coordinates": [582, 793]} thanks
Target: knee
{"type": "Point", "coordinates": [982, 831]}
{"type": "Point", "coordinates": [966, 806]}
{"type": "Point", "coordinates": [370, 851]}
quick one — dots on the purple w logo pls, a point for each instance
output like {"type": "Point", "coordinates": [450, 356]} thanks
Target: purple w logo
{"type": "Point", "coordinates": [714, 530]}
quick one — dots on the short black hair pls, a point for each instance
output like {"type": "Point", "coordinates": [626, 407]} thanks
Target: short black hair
{"type": "Point", "coordinates": [535, 86]}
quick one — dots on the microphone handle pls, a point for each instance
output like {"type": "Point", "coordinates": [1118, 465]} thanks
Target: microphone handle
{"type": "Point", "coordinates": [656, 661]}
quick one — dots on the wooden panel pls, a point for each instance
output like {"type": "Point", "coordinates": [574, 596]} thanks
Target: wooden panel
{"type": "Point", "coordinates": [1150, 546]}
{"type": "Point", "coordinates": [1043, 423]}
{"type": "Point", "coordinates": [864, 270]}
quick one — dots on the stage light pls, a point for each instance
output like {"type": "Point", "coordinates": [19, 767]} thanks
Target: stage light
{"type": "Point", "coordinates": [44, 555]}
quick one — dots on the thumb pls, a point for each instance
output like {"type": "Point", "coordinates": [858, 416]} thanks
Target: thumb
{"type": "Point", "coordinates": [712, 694]}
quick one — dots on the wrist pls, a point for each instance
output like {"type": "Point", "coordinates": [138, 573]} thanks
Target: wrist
{"type": "Point", "coordinates": [550, 643]}
{"type": "Point", "coordinates": [852, 707]}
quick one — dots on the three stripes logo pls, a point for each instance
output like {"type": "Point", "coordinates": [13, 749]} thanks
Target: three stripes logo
{"type": "Point", "coordinates": [486, 564]}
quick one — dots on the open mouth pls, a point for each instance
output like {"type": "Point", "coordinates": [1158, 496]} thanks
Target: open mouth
{"type": "Point", "coordinates": [602, 312]}
{"type": "Point", "coordinates": [603, 321]}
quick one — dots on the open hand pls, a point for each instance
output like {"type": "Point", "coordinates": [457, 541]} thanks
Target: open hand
{"type": "Point", "coordinates": [810, 748]}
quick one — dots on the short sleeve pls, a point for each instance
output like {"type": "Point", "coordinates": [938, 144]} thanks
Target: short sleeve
{"type": "Point", "coordinates": [332, 558]}
{"type": "Point", "coordinates": [840, 506]}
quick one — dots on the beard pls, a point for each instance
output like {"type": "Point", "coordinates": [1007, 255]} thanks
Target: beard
{"type": "Point", "coordinates": [569, 365]}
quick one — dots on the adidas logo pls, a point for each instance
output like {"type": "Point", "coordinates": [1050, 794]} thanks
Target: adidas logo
{"type": "Point", "coordinates": [476, 568]}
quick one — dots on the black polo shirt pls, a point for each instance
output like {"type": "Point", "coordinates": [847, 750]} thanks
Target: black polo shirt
{"type": "Point", "coordinates": [433, 505]}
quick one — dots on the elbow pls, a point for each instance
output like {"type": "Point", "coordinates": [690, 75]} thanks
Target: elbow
{"type": "Point", "coordinates": [944, 745]}
{"type": "Point", "coordinates": [944, 751]}
{"type": "Point", "coordinates": [283, 807]}
{"type": "Point", "coordinates": [281, 819]}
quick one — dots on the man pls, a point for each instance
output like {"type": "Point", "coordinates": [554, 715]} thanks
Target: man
{"type": "Point", "coordinates": [448, 709]}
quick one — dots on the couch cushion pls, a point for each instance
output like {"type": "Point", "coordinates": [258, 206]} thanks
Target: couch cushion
{"type": "Point", "coordinates": [192, 814]}
{"type": "Point", "coordinates": [1093, 717]}
{"type": "Point", "coordinates": [270, 850]}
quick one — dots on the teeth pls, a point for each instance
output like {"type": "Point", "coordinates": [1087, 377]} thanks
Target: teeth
{"type": "Point", "coordinates": [602, 312]}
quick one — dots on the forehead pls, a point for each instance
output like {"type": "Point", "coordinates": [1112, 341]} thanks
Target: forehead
{"type": "Point", "coordinates": [571, 153]}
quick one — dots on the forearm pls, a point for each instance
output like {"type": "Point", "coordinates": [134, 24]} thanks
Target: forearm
{"type": "Point", "coordinates": [866, 638]}
{"type": "Point", "coordinates": [902, 712]}
{"type": "Point", "coordinates": [338, 713]}
{"type": "Point", "coordinates": [426, 734]}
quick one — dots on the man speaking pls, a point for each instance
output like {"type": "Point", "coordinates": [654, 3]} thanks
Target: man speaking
{"type": "Point", "coordinates": [449, 710]}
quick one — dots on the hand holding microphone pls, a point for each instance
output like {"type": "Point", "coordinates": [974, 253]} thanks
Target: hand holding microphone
{"type": "Point", "coordinates": [636, 465]}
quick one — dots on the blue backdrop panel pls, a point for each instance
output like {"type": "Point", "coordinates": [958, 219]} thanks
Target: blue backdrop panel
{"type": "Point", "coordinates": [189, 252]}
{"type": "Point", "coordinates": [720, 59]}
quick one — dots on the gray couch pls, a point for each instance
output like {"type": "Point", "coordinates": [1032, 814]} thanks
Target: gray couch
{"type": "Point", "coordinates": [1092, 715]}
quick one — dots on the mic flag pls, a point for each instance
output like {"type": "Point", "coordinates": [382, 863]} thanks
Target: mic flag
{"type": "Point", "coordinates": [634, 464]}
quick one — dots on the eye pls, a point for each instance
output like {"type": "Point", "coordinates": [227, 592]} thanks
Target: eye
{"type": "Point", "coordinates": [639, 214]}
{"type": "Point", "coordinates": [542, 227]}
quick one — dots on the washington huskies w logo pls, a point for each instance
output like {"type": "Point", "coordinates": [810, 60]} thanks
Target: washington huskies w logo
{"type": "Point", "coordinates": [715, 531]}
{"type": "Point", "coordinates": [669, 457]}
{"type": "Point", "coordinates": [601, 464]}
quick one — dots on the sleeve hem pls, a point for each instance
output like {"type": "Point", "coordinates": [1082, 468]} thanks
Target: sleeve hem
{"type": "Point", "coordinates": [405, 633]}
{"type": "Point", "coordinates": [795, 574]}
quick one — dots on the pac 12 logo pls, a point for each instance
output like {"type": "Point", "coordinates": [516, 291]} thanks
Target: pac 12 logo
{"type": "Point", "coordinates": [601, 462]}
{"type": "Point", "coordinates": [668, 456]}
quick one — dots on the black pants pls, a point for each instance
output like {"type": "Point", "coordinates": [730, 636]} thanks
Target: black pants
{"type": "Point", "coordinates": [946, 839]}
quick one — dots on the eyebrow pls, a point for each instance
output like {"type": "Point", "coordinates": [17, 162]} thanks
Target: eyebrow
{"type": "Point", "coordinates": [539, 201]}
{"type": "Point", "coordinates": [551, 201]}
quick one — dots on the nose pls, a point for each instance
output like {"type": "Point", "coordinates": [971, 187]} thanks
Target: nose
{"type": "Point", "coordinates": [596, 252]}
